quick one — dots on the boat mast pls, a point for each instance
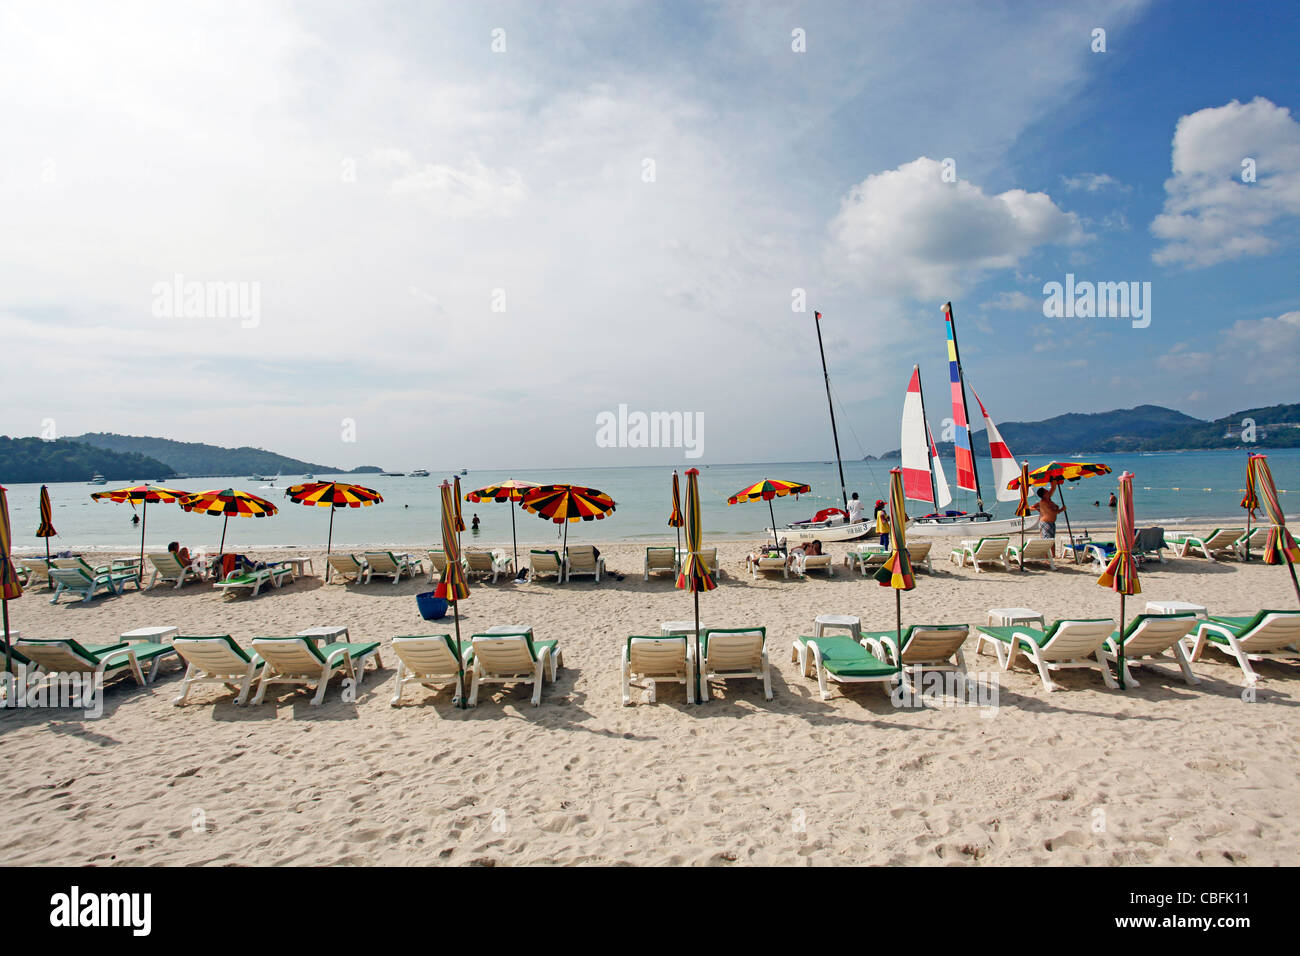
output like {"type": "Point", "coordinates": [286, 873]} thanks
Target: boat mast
{"type": "Point", "coordinates": [961, 384]}
{"type": "Point", "coordinates": [934, 489]}
{"type": "Point", "coordinates": [817, 320]}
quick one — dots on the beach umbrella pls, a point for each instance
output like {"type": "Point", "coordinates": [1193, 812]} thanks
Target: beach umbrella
{"type": "Point", "coordinates": [675, 519]}
{"type": "Point", "coordinates": [896, 572]}
{"type": "Point", "coordinates": [565, 503]}
{"type": "Point", "coordinates": [1022, 507]}
{"type": "Point", "coordinates": [1279, 545]}
{"type": "Point", "coordinates": [766, 490]}
{"type": "Point", "coordinates": [695, 575]}
{"type": "Point", "coordinates": [227, 502]}
{"type": "Point", "coordinates": [46, 530]}
{"type": "Point", "coordinates": [1121, 574]}
{"type": "Point", "coordinates": [144, 494]}
{"type": "Point", "coordinates": [1250, 501]}
{"type": "Point", "coordinates": [9, 586]}
{"type": "Point", "coordinates": [332, 495]}
{"type": "Point", "coordinates": [460, 519]}
{"type": "Point", "coordinates": [508, 490]}
{"type": "Point", "coordinates": [1056, 474]}
{"type": "Point", "coordinates": [453, 586]}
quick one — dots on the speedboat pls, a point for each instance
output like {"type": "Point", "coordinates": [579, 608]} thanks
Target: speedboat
{"type": "Point", "coordinates": [98, 480]}
{"type": "Point", "coordinates": [419, 473]}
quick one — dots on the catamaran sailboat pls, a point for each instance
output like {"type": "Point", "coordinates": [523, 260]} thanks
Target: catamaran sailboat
{"type": "Point", "coordinates": [923, 477]}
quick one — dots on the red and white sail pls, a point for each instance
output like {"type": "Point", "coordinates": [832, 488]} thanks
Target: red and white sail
{"type": "Point", "coordinates": [940, 479]}
{"type": "Point", "coordinates": [917, 483]}
{"type": "Point", "coordinates": [1005, 468]}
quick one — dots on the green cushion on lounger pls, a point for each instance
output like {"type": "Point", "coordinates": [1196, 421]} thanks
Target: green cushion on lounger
{"type": "Point", "coordinates": [354, 650]}
{"type": "Point", "coordinates": [91, 651]}
{"type": "Point", "coordinates": [146, 651]}
{"type": "Point", "coordinates": [224, 638]}
{"type": "Point", "coordinates": [845, 657]}
{"type": "Point", "coordinates": [1033, 634]}
{"type": "Point", "coordinates": [1240, 625]}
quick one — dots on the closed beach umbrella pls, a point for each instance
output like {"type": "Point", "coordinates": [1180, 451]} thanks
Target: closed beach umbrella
{"type": "Point", "coordinates": [696, 575]}
{"type": "Point", "coordinates": [460, 520]}
{"type": "Point", "coordinates": [1022, 507]}
{"type": "Point", "coordinates": [46, 530]}
{"type": "Point", "coordinates": [332, 495]}
{"type": "Point", "coordinates": [565, 503]}
{"type": "Point", "coordinates": [508, 490]}
{"type": "Point", "coordinates": [1056, 474]}
{"type": "Point", "coordinates": [896, 572]}
{"type": "Point", "coordinates": [452, 586]}
{"type": "Point", "coordinates": [1250, 501]}
{"type": "Point", "coordinates": [228, 502]}
{"type": "Point", "coordinates": [144, 494]}
{"type": "Point", "coordinates": [1279, 545]}
{"type": "Point", "coordinates": [766, 490]}
{"type": "Point", "coordinates": [675, 519]}
{"type": "Point", "coordinates": [9, 586]}
{"type": "Point", "coordinates": [1121, 574]}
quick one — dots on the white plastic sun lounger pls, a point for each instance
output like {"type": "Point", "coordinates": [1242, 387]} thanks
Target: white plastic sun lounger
{"type": "Point", "coordinates": [64, 656]}
{"type": "Point", "coordinates": [1146, 638]}
{"type": "Point", "coordinates": [297, 660]}
{"type": "Point", "coordinates": [1220, 542]}
{"type": "Point", "coordinates": [660, 559]}
{"type": "Point", "coordinates": [541, 561]}
{"type": "Point", "coordinates": [814, 562]}
{"type": "Point", "coordinates": [840, 658]}
{"type": "Point", "coordinates": [393, 565]}
{"type": "Point", "coordinates": [481, 563]}
{"type": "Point", "coordinates": [38, 571]}
{"type": "Point", "coordinates": [512, 659]}
{"type": "Point", "coordinates": [217, 660]}
{"type": "Point", "coordinates": [987, 550]}
{"type": "Point", "coordinates": [727, 653]}
{"type": "Point", "coordinates": [582, 560]}
{"type": "Point", "coordinates": [253, 581]}
{"type": "Point", "coordinates": [769, 564]}
{"type": "Point", "coordinates": [168, 569]}
{"type": "Point", "coordinates": [926, 647]}
{"type": "Point", "coordinates": [1037, 550]}
{"type": "Point", "coordinates": [428, 660]}
{"type": "Point", "coordinates": [1065, 644]}
{"type": "Point", "coordinates": [1267, 636]}
{"type": "Point", "coordinates": [649, 660]}
{"type": "Point", "coordinates": [344, 566]}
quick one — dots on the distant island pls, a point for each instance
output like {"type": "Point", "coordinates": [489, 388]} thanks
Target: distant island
{"type": "Point", "coordinates": [132, 458]}
{"type": "Point", "coordinates": [1144, 428]}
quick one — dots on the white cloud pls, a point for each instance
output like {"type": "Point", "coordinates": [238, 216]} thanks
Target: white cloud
{"type": "Point", "coordinates": [906, 230]}
{"type": "Point", "coordinates": [1016, 301]}
{"type": "Point", "coordinates": [472, 189]}
{"type": "Point", "coordinates": [1092, 182]}
{"type": "Point", "coordinates": [1210, 215]}
{"type": "Point", "coordinates": [1257, 352]}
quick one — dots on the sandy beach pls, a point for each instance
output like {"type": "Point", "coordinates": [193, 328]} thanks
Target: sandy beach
{"type": "Point", "coordinates": [1160, 774]}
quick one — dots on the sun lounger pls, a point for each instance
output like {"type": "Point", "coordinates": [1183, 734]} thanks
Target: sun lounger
{"type": "Point", "coordinates": [297, 660]}
{"type": "Point", "coordinates": [582, 559]}
{"type": "Point", "coordinates": [345, 566]}
{"type": "Point", "coordinates": [661, 559]}
{"type": "Point", "coordinates": [481, 563]}
{"type": "Point", "coordinates": [727, 653]}
{"type": "Point", "coordinates": [393, 565]}
{"type": "Point", "coordinates": [1267, 636]}
{"type": "Point", "coordinates": [769, 563]}
{"type": "Point", "coordinates": [1098, 552]}
{"type": "Point", "coordinates": [168, 569]}
{"type": "Point", "coordinates": [1150, 543]}
{"type": "Point", "coordinates": [217, 660]}
{"type": "Point", "coordinates": [429, 660]}
{"type": "Point", "coordinates": [511, 659]}
{"type": "Point", "coordinates": [38, 572]}
{"type": "Point", "coordinates": [919, 554]}
{"type": "Point", "coordinates": [64, 656]}
{"type": "Point", "coordinates": [649, 660]}
{"type": "Point", "coordinates": [1065, 644]}
{"type": "Point", "coordinates": [253, 581]}
{"type": "Point", "coordinates": [840, 658]}
{"type": "Point", "coordinates": [814, 562]}
{"type": "Point", "coordinates": [866, 559]}
{"type": "Point", "coordinates": [541, 561]}
{"type": "Point", "coordinates": [1258, 538]}
{"type": "Point", "coordinates": [926, 647]}
{"type": "Point", "coordinates": [987, 550]}
{"type": "Point", "coordinates": [89, 583]}
{"type": "Point", "coordinates": [1220, 542]}
{"type": "Point", "coordinates": [1037, 550]}
{"type": "Point", "coordinates": [1146, 638]}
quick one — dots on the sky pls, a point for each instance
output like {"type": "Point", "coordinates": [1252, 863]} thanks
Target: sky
{"type": "Point", "coordinates": [415, 234]}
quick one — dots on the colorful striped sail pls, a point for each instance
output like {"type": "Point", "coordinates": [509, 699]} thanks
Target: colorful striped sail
{"type": "Point", "coordinates": [917, 484]}
{"type": "Point", "coordinates": [1005, 468]}
{"type": "Point", "coordinates": [966, 479]}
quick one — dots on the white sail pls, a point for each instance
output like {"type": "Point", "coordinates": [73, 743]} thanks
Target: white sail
{"type": "Point", "coordinates": [940, 480]}
{"type": "Point", "coordinates": [917, 483]}
{"type": "Point", "coordinates": [1005, 469]}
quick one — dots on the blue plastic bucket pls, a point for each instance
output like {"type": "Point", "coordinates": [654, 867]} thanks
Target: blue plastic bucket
{"type": "Point", "coordinates": [431, 608]}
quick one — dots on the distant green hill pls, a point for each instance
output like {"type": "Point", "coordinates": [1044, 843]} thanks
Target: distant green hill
{"type": "Point", "coordinates": [34, 459]}
{"type": "Point", "coordinates": [195, 458]}
{"type": "Point", "coordinates": [1144, 428]}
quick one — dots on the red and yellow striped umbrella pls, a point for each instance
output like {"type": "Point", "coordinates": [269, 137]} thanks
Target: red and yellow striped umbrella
{"type": "Point", "coordinates": [565, 503]}
{"type": "Point", "coordinates": [9, 586]}
{"type": "Point", "coordinates": [1280, 545]}
{"type": "Point", "coordinates": [228, 503]}
{"type": "Point", "coordinates": [332, 495]}
{"type": "Point", "coordinates": [1121, 574]}
{"type": "Point", "coordinates": [1056, 474]}
{"type": "Point", "coordinates": [1023, 510]}
{"type": "Point", "coordinates": [46, 529]}
{"type": "Point", "coordinates": [675, 519]}
{"type": "Point", "coordinates": [766, 490]}
{"type": "Point", "coordinates": [696, 575]}
{"type": "Point", "coordinates": [508, 490]}
{"type": "Point", "coordinates": [144, 494]}
{"type": "Point", "coordinates": [1250, 501]}
{"type": "Point", "coordinates": [460, 519]}
{"type": "Point", "coordinates": [453, 586]}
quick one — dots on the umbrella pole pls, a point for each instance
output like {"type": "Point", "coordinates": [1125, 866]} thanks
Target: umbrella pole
{"type": "Point", "coordinates": [329, 545]}
{"type": "Point", "coordinates": [514, 541]}
{"type": "Point", "coordinates": [221, 550]}
{"type": "Point", "coordinates": [144, 520]}
{"type": "Point", "coordinates": [564, 551]}
{"type": "Point", "coordinates": [1022, 542]}
{"type": "Point", "coordinates": [1068, 530]}
{"type": "Point", "coordinates": [898, 622]}
{"type": "Point", "coordinates": [8, 650]}
{"type": "Point", "coordinates": [1247, 555]}
{"type": "Point", "coordinates": [460, 658]}
{"type": "Point", "coordinates": [700, 683]}
{"type": "Point", "coordinates": [1121, 641]}
{"type": "Point", "coordinates": [1291, 567]}
{"type": "Point", "coordinates": [773, 514]}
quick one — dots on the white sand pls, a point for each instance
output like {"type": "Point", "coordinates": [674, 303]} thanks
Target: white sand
{"type": "Point", "coordinates": [1162, 774]}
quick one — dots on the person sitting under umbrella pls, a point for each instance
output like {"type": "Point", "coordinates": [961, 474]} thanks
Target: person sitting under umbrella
{"type": "Point", "coordinates": [182, 554]}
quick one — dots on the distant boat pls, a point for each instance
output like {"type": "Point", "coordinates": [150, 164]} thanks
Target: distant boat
{"type": "Point", "coordinates": [308, 477]}
{"type": "Point", "coordinates": [419, 473]}
{"type": "Point", "coordinates": [98, 480]}
{"type": "Point", "coordinates": [464, 471]}
{"type": "Point", "coordinates": [393, 474]}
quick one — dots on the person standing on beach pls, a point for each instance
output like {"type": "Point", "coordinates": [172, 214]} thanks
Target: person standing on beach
{"type": "Point", "coordinates": [882, 523]}
{"type": "Point", "coordinates": [855, 508]}
{"type": "Point", "coordinates": [1047, 512]}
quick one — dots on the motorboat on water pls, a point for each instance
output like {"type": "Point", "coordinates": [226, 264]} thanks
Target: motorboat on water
{"type": "Point", "coordinates": [98, 480]}
{"type": "Point", "coordinates": [419, 473]}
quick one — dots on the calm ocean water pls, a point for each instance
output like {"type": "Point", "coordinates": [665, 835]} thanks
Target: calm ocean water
{"type": "Point", "coordinates": [1169, 487]}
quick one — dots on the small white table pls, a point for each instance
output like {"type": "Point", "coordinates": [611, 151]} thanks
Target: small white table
{"type": "Point", "coordinates": [846, 621]}
{"type": "Point", "coordinates": [298, 565]}
{"type": "Point", "coordinates": [673, 628]}
{"type": "Point", "coordinates": [153, 635]}
{"type": "Point", "coordinates": [1011, 616]}
{"type": "Point", "coordinates": [325, 632]}
{"type": "Point", "coordinates": [1175, 607]}
{"type": "Point", "coordinates": [510, 629]}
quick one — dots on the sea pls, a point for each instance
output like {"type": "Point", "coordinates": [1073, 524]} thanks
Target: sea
{"type": "Point", "coordinates": [1171, 488]}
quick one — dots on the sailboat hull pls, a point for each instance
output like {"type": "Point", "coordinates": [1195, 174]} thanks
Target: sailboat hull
{"type": "Point", "coordinates": [967, 524]}
{"type": "Point", "coordinates": [822, 531]}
